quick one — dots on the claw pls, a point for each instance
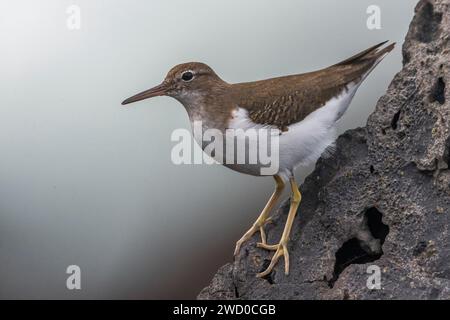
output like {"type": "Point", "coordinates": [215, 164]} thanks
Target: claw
{"type": "Point", "coordinates": [269, 220]}
{"type": "Point", "coordinates": [258, 226]}
{"type": "Point", "coordinates": [281, 251]}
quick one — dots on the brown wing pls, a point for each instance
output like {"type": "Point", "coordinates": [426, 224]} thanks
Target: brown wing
{"type": "Point", "coordinates": [287, 100]}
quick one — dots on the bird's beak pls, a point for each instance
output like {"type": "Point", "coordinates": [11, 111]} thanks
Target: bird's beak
{"type": "Point", "coordinates": [159, 90]}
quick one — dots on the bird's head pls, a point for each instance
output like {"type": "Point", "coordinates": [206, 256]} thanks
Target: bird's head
{"type": "Point", "coordinates": [186, 82]}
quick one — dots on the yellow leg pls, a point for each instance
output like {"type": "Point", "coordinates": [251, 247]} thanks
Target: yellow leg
{"type": "Point", "coordinates": [281, 248]}
{"type": "Point", "coordinates": [262, 219]}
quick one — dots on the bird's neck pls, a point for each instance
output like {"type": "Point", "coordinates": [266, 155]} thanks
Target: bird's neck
{"type": "Point", "coordinates": [211, 108]}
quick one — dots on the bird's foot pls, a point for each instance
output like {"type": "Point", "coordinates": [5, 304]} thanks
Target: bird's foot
{"type": "Point", "coordinates": [281, 250]}
{"type": "Point", "coordinates": [257, 226]}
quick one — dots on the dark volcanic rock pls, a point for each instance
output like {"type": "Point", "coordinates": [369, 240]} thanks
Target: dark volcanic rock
{"type": "Point", "coordinates": [383, 199]}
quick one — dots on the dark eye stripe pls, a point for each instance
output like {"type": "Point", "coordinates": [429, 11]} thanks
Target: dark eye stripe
{"type": "Point", "coordinates": [187, 76]}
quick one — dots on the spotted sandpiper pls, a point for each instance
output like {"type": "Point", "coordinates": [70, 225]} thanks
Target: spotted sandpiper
{"type": "Point", "coordinates": [303, 107]}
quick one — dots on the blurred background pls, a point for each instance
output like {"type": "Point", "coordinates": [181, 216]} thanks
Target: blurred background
{"type": "Point", "coordinates": [85, 181]}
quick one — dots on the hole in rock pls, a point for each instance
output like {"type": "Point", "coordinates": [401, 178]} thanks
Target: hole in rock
{"type": "Point", "coordinates": [427, 24]}
{"type": "Point", "coordinates": [395, 120]}
{"type": "Point", "coordinates": [351, 252]}
{"type": "Point", "coordinates": [446, 155]}
{"type": "Point", "coordinates": [265, 265]}
{"type": "Point", "coordinates": [438, 93]}
{"type": "Point", "coordinates": [236, 292]}
{"type": "Point", "coordinates": [419, 248]}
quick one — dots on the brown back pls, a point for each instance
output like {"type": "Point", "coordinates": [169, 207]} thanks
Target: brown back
{"type": "Point", "coordinates": [287, 100]}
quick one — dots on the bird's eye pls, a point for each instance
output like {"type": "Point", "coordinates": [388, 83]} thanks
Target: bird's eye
{"type": "Point", "coordinates": [187, 76]}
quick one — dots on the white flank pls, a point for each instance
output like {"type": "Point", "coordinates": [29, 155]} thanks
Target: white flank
{"type": "Point", "coordinates": [304, 142]}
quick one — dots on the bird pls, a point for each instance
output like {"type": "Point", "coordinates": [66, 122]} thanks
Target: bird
{"type": "Point", "coordinates": [302, 108]}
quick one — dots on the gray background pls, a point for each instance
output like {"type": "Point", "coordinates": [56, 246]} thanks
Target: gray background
{"type": "Point", "coordinates": [86, 181]}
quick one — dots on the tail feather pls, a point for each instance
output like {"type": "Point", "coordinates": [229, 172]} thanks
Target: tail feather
{"type": "Point", "coordinates": [360, 65]}
{"type": "Point", "coordinates": [374, 58]}
{"type": "Point", "coordinates": [369, 54]}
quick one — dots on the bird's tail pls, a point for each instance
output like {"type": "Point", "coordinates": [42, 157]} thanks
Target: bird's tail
{"type": "Point", "coordinates": [371, 55]}
{"type": "Point", "coordinates": [363, 63]}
